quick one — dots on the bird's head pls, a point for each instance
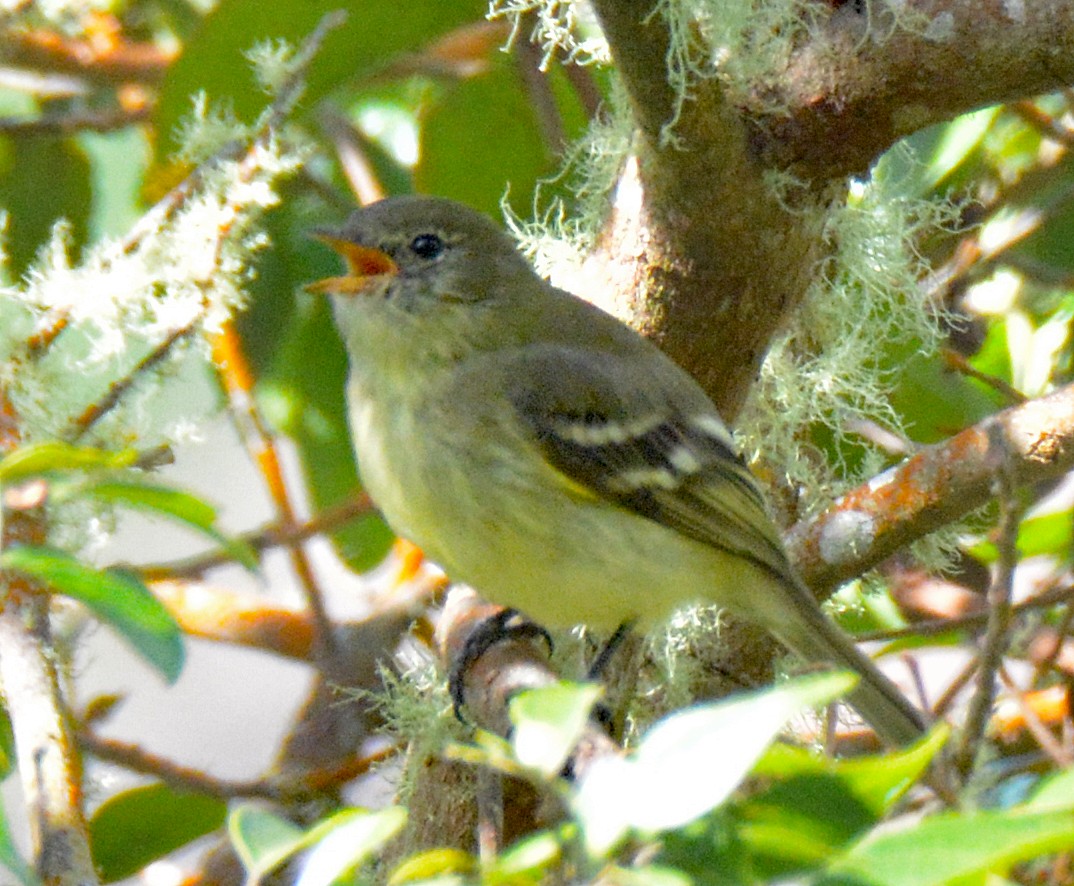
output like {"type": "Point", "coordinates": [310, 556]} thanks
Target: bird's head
{"type": "Point", "coordinates": [417, 248]}
{"type": "Point", "coordinates": [413, 261]}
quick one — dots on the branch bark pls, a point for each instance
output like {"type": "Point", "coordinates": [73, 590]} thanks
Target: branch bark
{"type": "Point", "coordinates": [939, 485]}
{"type": "Point", "coordinates": [698, 252]}
{"type": "Point", "coordinates": [847, 96]}
{"type": "Point", "coordinates": [47, 754]}
{"type": "Point", "coordinates": [49, 765]}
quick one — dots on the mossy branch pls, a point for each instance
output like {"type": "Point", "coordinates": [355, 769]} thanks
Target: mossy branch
{"type": "Point", "coordinates": [49, 765]}
{"type": "Point", "coordinates": [701, 253]}
{"type": "Point", "coordinates": [846, 96]}
{"type": "Point", "coordinates": [939, 485]}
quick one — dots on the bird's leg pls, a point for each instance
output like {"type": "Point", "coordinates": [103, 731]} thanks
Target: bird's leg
{"type": "Point", "coordinates": [625, 642]}
{"type": "Point", "coordinates": [600, 663]}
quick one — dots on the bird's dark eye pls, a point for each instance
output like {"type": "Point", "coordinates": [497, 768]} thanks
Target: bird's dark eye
{"type": "Point", "coordinates": [427, 246]}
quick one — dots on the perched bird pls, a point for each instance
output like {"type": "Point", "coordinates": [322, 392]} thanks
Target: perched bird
{"type": "Point", "coordinates": [549, 456]}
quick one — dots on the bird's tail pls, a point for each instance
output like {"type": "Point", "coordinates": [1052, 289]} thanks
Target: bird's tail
{"type": "Point", "coordinates": [817, 638]}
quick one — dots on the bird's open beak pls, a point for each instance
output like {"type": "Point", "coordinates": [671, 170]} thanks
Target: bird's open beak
{"type": "Point", "coordinates": [363, 263]}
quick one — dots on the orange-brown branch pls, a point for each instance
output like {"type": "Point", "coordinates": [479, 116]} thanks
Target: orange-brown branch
{"type": "Point", "coordinates": [939, 485]}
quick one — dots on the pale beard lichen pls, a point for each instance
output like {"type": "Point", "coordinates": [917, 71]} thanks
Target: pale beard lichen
{"type": "Point", "coordinates": [828, 369]}
{"type": "Point", "coordinates": [566, 27]}
{"type": "Point", "coordinates": [123, 331]}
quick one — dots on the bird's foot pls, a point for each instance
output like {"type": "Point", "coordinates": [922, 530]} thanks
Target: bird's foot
{"type": "Point", "coordinates": [507, 624]}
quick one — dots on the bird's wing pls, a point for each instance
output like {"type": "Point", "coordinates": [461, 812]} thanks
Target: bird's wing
{"type": "Point", "coordinates": [659, 451]}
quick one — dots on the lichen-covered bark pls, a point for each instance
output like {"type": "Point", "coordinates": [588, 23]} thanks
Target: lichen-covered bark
{"type": "Point", "coordinates": [699, 252]}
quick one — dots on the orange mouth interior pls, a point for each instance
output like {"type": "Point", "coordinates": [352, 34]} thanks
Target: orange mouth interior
{"type": "Point", "coordinates": [363, 263]}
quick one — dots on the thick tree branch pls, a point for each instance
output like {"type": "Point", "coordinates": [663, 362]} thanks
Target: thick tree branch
{"type": "Point", "coordinates": [847, 95]}
{"type": "Point", "coordinates": [513, 664]}
{"type": "Point", "coordinates": [939, 485]}
{"type": "Point", "coordinates": [48, 759]}
{"type": "Point", "coordinates": [698, 252]}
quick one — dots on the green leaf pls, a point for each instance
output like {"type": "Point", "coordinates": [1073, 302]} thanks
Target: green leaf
{"type": "Point", "coordinates": [650, 875]}
{"type": "Point", "coordinates": [43, 179]}
{"type": "Point", "coordinates": [943, 158]}
{"type": "Point", "coordinates": [993, 357]}
{"type": "Point", "coordinates": [956, 141]}
{"type": "Point", "coordinates": [213, 59]}
{"type": "Point", "coordinates": [933, 400]}
{"type": "Point", "coordinates": [1051, 534]}
{"type": "Point", "coordinates": [262, 839]}
{"type": "Point", "coordinates": [531, 856]}
{"type": "Point", "coordinates": [714, 843]}
{"type": "Point", "coordinates": [878, 781]}
{"type": "Point", "coordinates": [1055, 792]}
{"type": "Point", "coordinates": [182, 506]}
{"type": "Point", "coordinates": [815, 806]}
{"type": "Point", "coordinates": [1050, 246]}
{"type": "Point", "coordinates": [139, 826]}
{"type": "Point", "coordinates": [801, 825]}
{"type": "Point", "coordinates": [432, 863]}
{"type": "Point", "coordinates": [116, 597]}
{"type": "Point", "coordinates": [954, 847]}
{"type": "Point", "coordinates": [346, 840]}
{"type": "Point", "coordinates": [7, 744]}
{"type": "Point", "coordinates": [690, 762]}
{"type": "Point", "coordinates": [163, 500]}
{"type": "Point", "coordinates": [481, 140]}
{"type": "Point", "coordinates": [33, 459]}
{"type": "Point", "coordinates": [548, 723]}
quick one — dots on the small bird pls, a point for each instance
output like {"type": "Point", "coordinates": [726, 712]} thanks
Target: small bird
{"type": "Point", "coordinates": [548, 455]}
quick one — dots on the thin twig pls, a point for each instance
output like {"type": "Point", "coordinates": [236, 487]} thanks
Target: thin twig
{"type": "Point", "coordinates": [351, 152]}
{"type": "Point", "coordinates": [106, 120]}
{"type": "Point", "coordinates": [43, 85]}
{"type": "Point", "coordinates": [585, 87]}
{"type": "Point", "coordinates": [325, 190]}
{"type": "Point", "coordinates": [538, 89]}
{"type": "Point", "coordinates": [137, 759]}
{"type": "Point", "coordinates": [1047, 742]}
{"type": "Point", "coordinates": [48, 763]}
{"type": "Point", "coordinates": [223, 615]}
{"type": "Point", "coordinates": [1051, 706]}
{"type": "Point", "coordinates": [96, 411]}
{"type": "Point", "coordinates": [961, 681]}
{"type": "Point", "coordinates": [236, 377]}
{"type": "Point", "coordinates": [1044, 123]}
{"type": "Point", "coordinates": [997, 634]}
{"type": "Point", "coordinates": [935, 626]}
{"type": "Point", "coordinates": [489, 790]}
{"type": "Point", "coordinates": [914, 667]}
{"type": "Point", "coordinates": [56, 322]}
{"type": "Point", "coordinates": [286, 98]}
{"type": "Point", "coordinates": [1048, 661]}
{"type": "Point", "coordinates": [118, 61]}
{"type": "Point", "coordinates": [954, 360]}
{"type": "Point", "coordinates": [273, 535]}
